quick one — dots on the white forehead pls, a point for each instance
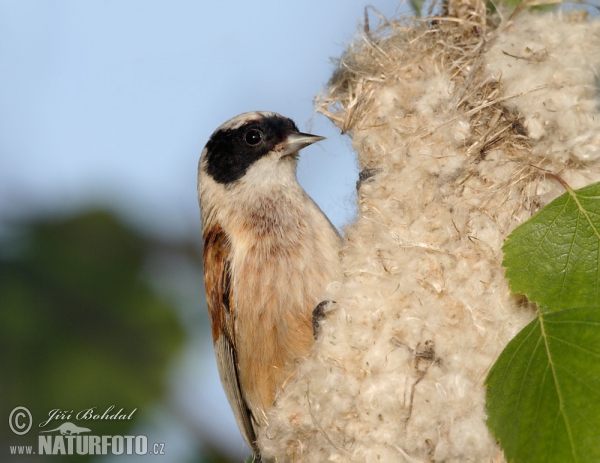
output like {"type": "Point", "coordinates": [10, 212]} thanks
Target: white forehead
{"type": "Point", "coordinates": [238, 121]}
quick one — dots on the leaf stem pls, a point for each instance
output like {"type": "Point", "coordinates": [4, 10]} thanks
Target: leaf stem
{"type": "Point", "coordinates": [564, 184]}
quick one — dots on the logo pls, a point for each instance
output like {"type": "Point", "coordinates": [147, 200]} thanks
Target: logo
{"type": "Point", "coordinates": [72, 439]}
{"type": "Point", "coordinates": [69, 429]}
{"type": "Point", "coordinates": [17, 422]}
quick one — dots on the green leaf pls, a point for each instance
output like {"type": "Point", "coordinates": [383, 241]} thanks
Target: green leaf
{"type": "Point", "coordinates": [543, 395]}
{"type": "Point", "coordinates": [553, 258]}
{"type": "Point", "coordinates": [417, 6]}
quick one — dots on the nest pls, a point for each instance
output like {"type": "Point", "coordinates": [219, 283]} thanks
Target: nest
{"type": "Point", "coordinates": [460, 117]}
{"type": "Point", "coordinates": [456, 45]}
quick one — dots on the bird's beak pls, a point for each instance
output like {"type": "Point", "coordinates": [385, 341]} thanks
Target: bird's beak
{"type": "Point", "coordinates": [296, 141]}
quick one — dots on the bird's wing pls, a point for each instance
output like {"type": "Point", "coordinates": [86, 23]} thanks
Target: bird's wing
{"type": "Point", "coordinates": [219, 299]}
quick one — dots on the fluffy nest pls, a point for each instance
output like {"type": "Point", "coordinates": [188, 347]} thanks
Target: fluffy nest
{"type": "Point", "coordinates": [460, 118]}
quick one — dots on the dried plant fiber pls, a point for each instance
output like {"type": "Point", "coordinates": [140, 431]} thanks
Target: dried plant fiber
{"type": "Point", "coordinates": [463, 116]}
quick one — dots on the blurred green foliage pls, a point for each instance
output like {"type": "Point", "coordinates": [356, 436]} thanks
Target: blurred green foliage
{"type": "Point", "coordinates": [80, 325]}
{"type": "Point", "coordinates": [418, 5]}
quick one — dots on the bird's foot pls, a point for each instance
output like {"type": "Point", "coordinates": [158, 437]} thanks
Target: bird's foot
{"type": "Point", "coordinates": [319, 314]}
{"type": "Point", "coordinates": [365, 175]}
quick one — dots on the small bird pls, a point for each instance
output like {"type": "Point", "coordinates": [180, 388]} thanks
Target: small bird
{"type": "Point", "coordinates": [269, 253]}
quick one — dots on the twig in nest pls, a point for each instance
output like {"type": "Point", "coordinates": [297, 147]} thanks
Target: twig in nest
{"type": "Point", "coordinates": [317, 425]}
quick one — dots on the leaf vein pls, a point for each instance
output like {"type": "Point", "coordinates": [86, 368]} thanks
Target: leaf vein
{"type": "Point", "coordinates": [558, 390]}
{"type": "Point", "coordinates": [576, 346]}
{"type": "Point", "coordinates": [578, 379]}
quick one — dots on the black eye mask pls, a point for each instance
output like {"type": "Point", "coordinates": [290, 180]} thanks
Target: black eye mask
{"type": "Point", "coordinates": [230, 153]}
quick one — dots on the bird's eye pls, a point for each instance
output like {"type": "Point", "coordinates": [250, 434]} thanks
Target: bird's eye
{"type": "Point", "coordinates": [253, 137]}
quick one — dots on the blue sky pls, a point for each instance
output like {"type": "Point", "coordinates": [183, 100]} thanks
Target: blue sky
{"type": "Point", "coordinates": [111, 102]}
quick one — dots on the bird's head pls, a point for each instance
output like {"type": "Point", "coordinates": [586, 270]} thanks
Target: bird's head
{"type": "Point", "coordinates": [264, 142]}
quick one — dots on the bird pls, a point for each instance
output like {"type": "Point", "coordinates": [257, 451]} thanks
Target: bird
{"type": "Point", "coordinates": [269, 253]}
